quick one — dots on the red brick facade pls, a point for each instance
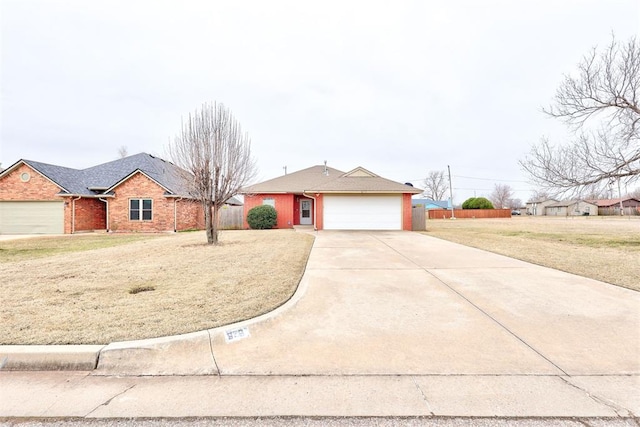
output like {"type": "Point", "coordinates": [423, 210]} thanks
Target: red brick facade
{"type": "Point", "coordinates": [37, 188]}
{"type": "Point", "coordinates": [407, 212]}
{"type": "Point", "coordinates": [88, 213]}
{"type": "Point", "coordinates": [168, 213]}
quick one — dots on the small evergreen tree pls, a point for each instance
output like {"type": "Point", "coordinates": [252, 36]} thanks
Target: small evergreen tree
{"type": "Point", "coordinates": [262, 217]}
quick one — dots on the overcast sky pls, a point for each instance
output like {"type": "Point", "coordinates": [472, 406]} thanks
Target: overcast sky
{"type": "Point", "coordinates": [398, 87]}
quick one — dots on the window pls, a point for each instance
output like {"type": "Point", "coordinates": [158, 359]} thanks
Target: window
{"type": "Point", "coordinates": [25, 177]}
{"type": "Point", "coordinates": [140, 209]}
{"type": "Point", "coordinates": [269, 201]}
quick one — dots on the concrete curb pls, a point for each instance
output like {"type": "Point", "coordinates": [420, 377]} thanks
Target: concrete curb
{"type": "Point", "coordinates": [186, 354]}
{"type": "Point", "coordinates": [49, 357]}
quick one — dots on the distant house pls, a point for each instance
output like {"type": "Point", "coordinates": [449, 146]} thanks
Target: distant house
{"type": "Point", "coordinates": [234, 202]}
{"type": "Point", "coordinates": [537, 207]}
{"type": "Point", "coordinates": [630, 205]}
{"type": "Point", "coordinates": [571, 208]}
{"type": "Point", "coordinates": [430, 204]}
{"type": "Point", "coordinates": [139, 193]}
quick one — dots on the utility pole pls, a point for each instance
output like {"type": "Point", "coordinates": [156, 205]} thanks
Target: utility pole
{"type": "Point", "coordinates": [620, 196]}
{"type": "Point", "coordinates": [453, 215]}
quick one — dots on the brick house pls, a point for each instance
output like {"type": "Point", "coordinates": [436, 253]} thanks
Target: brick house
{"type": "Point", "coordinates": [139, 193]}
{"type": "Point", "coordinates": [630, 206]}
{"type": "Point", "coordinates": [330, 199]}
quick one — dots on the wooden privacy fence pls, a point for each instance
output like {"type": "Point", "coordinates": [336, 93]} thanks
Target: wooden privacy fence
{"type": "Point", "coordinates": [418, 219]}
{"type": "Point", "coordinates": [231, 218]}
{"type": "Point", "coordinates": [469, 213]}
{"type": "Point", "coordinates": [627, 210]}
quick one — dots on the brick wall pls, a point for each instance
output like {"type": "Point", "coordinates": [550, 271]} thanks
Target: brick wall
{"type": "Point", "coordinates": [190, 215]}
{"type": "Point", "coordinates": [140, 187]}
{"type": "Point", "coordinates": [283, 204]}
{"type": "Point", "coordinates": [37, 188]}
{"type": "Point", "coordinates": [90, 214]}
{"type": "Point", "coordinates": [407, 212]}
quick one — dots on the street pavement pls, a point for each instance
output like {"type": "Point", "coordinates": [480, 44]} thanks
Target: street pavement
{"type": "Point", "coordinates": [384, 324]}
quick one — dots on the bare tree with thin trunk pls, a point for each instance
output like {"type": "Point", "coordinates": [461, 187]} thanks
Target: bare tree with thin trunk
{"type": "Point", "coordinates": [601, 104]}
{"type": "Point", "coordinates": [435, 185]}
{"type": "Point", "coordinates": [501, 196]}
{"type": "Point", "coordinates": [123, 152]}
{"type": "Point", "coordinates": [216, 153]}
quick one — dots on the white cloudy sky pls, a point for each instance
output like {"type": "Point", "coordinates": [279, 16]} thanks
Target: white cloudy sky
{"type": "Point", "coordinates": [398, 87]}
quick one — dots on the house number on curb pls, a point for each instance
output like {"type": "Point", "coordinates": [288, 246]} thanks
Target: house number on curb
{"type": "Point", "coordinates": [236, 334]}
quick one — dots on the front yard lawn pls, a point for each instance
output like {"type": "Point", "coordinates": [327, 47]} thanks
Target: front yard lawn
{"type": "Point", "coordinates": [96, 289]}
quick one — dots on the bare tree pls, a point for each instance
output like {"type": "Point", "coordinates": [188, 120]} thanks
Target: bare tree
{"type": "Point", "coordinates": [515, 204]}
{"type": "Point", "coordinates": [501, 196]}
{"type": "Point", "coordinates": [540, 195]}
{"type": "Point", "coordinates": [601, 105]}
{"type": "Point", "coordinates": [435, 185]}
{"type": "Point", "coordinates": [123, 152]}
{"type": "Point", "coordinates": [217, 155]}
{"type": "Point", "coordinates": [635, 193]}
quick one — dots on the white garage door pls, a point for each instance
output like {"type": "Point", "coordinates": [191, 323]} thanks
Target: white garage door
{"type": "Point", "coordinates": [362, 212]}
{"type": "Point", "coordinates": [31, 217]}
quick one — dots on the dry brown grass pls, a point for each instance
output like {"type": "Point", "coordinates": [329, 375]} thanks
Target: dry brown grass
{"type": "Point", "coordinates": [149, 287]}
{"type": "Point", "coordinates": [602, 248]}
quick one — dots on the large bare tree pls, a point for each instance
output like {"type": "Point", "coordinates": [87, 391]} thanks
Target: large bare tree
{"type": "Point", "coordinates": [216, 153]}
{"type": "Point", "coordinates": [435, 185]}
{"type": "Point", "coordinates": [601, 105]}
{"type": "Point", "coordinates": [501, 196]}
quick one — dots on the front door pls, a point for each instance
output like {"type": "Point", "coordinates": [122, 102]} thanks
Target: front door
{"type": "Point", "coordinates": [305, 212]}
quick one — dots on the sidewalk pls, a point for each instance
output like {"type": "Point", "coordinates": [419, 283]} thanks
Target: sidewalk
{"type": "Point", "coordinates": [387, 323]}
{"type": "Point", "coordinates": [80, 394]}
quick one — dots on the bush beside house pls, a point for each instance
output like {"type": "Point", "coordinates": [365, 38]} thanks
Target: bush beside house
{"type": "Point", "coordinates": [262, 217]}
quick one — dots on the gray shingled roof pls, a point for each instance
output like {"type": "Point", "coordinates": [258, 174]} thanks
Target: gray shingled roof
{"type": "Point", "coordinates": [103, 177]}
{"type": "Point", "coordinates": [315, 179]}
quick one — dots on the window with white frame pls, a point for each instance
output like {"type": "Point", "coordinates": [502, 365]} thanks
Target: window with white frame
{"type": "Point", "coordinates": [269, 201]}
{"type": "Point", "coordinates": [140, 209]}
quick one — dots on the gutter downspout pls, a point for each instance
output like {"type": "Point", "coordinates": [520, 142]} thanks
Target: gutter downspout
{"type": "Point", "coordinates": [73, 214]}
{"type": "Point", "coordinates": [107, 212]}
{"type": "Point", "coordinates": [175, 213]}
{"type": "Point", "coordinates": [315, 210]}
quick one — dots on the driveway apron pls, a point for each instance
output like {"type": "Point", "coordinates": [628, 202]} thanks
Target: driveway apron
{"type": "Point", "coordinates": [403, 303]}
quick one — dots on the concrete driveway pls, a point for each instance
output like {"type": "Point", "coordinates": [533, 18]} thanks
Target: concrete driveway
{"type": "Point", "coordinates": [391, 323]}
{"type": "Point", "coordinates": [405, 303]}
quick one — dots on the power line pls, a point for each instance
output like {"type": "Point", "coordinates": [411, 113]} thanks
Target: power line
{"type": "Point", "coordinates": [490, 179]}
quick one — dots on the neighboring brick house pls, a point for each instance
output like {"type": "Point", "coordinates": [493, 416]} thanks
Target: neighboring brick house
{"type": "Point", "coordinates": [630, 206]}
{"type": "Point", "coordinates": [330, 199]}
{"type": "Point", "coordinates": [139, 193]}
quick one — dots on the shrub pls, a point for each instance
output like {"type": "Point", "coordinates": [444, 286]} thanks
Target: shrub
{"type": "Point", "coordinates": [477, 203]}
{"type": "Point", "coordinates": [262, 217]}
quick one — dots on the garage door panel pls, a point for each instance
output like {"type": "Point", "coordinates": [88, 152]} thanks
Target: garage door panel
{"type": "Point", "coordinates": [362, 212]}
{"type": "Point", "coordinates": [26, 217]}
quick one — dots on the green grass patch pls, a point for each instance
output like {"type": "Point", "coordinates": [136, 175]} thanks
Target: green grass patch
{"type": "Point", "coordinates": [42, 247]}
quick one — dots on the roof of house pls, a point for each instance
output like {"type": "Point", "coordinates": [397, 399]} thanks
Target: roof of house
{"type": "Point", "coordinates": [441, 203]}
{"type": "Point", "coordinates": [234, 202]}
{"type": "Point", "coordinates": [566, 203]}
{"type": "Point", "coordinates": [541, 201]}
{"type": "Point", "coordinates": [603, 203]}
{"type": "Point", "coordinates": [100, 179]}
{"type": "Point", "coordinates": [324, 179]}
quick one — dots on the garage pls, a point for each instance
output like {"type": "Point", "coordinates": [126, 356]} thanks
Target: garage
{"type": "Point", "coordinates": [27, 217]}
{"type": "Point", "coordinates": [362, 212]}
